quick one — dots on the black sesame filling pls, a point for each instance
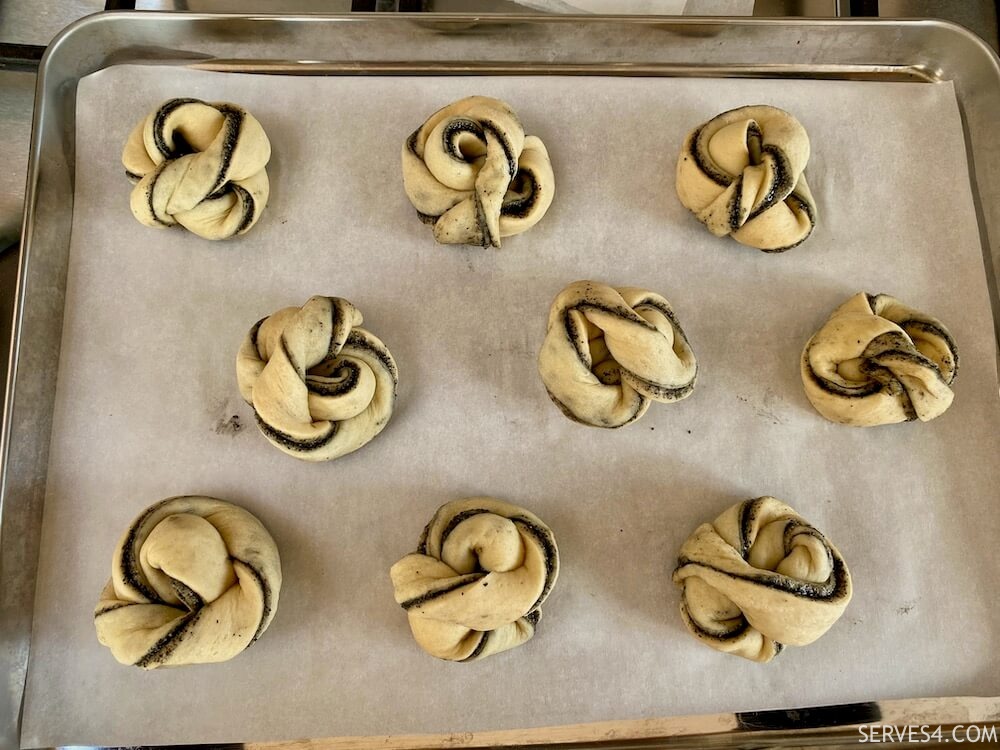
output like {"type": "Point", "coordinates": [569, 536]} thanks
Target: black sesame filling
{"type": "Point", "coordinates": [130, 572]}
{"type": "Point", "coordinates": [453, 585]}
{"type": "Point", "coordinates": [732, 634]}
{"type": "Point", "coordinates": [640, 405]}
{"type": "Point", "coordinates": [508, 152]}
{"type": "Point", "coordinates": [833, 588]}
{"type": "Point", "coordinates": [358, 341]}
{"type": "Point", "coordinates": [232, 130]}
{"type": "Point", "coordinates": [295, 444]}
{"type": "Point", "coordinates": [169, 642]}
{"type": "Point", "coordinates": [541, 535]}
{"type": "Point", "coordinates": [150, 188]}
{"type": "Point", "coordinates": [522, 195]}
{"type": "Point", "coordinates": [452, 134]}
{"type": "Point", "coordinates": [159, 135]}
{"type": "Point", "coordinates": [265, 592]}
{"type": "Point", "coordinates": [346, 379]}
{"type": "Point", "coordinates": [480, 647]}
{"type": "Point", "coordinates": [249, 207]}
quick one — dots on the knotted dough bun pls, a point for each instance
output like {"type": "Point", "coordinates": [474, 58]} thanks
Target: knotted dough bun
{"type": "Point", "coordinates": [877, 361]}
{"type": "Point", "coordinates": [193, 580]}
{"type": "Point", "coordinates": [320, 385]}
{"type": "Point", "coordinates": [741, 173]}
{"type": "Point", "coordinates": [472, 174]}
{"type": "Point", "coordinates": [476, 583]}
{"type": "Point", "coordinates": [199, 165]}
{"type": "Point", "coordinates": [608, 352]}
{"type": "Point", "coordinates": [758, 578]}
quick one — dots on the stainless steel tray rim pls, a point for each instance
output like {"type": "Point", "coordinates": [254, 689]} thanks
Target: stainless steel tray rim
{"type": "Point", "coordinates": [50, 84]}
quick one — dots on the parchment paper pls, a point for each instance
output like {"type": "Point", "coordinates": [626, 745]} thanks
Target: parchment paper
{"type": "Point", "coordinates": [147, 408]}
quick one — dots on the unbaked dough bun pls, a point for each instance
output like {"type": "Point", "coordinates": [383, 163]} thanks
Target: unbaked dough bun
{"type": "Point", "coordinates": [609, 352]}
{"type": "Point", "coordinates": [476, 583]}
{"type": "Point", "coordinates": [199, 165]}
{"type": "Point", "coordinates": [741, 174]}
{"type": "Point", "coordinates": [193, 580]}
{"type": "Point", "coordinates": [473, 175]}
{"type": "Point", "coordinates": [320, 385]}
{"type": "Point", "coordinates": [877, 361]}
{"type": "Point", "coordinates": [758, 578]}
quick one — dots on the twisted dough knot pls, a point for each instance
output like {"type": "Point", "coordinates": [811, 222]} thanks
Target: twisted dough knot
{"type": "Point", "coordinates": [472, 173]}
{"type": "Point", "coordinates": [194, 580]}
{"type": "Point", "coordinates": [199, 165]}
{"type": "Point", "coordinates": [477, 580]}
{"type": "Point", "coordinates": [609, 352]}
{"type": "Point", "coordinates": [760, 577]}
{"type": "Point", "coordinates": [877, 361]}
{"type": "Point", "coordinates": [741, 174]}
{"type": "Point", "coordinates": [320, 386]}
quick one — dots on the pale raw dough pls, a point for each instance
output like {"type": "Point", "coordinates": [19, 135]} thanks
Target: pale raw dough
{"type": "Point", "coordinates": [758, 578]}
{"type": "Point", "coordinates": [199, 165]}
{"type": "Point", "coordinates": [320, 385]}
{"type": "Point", "coordinates": [741, 174]}
{"type": "Point", "coordinates": [609, 352]}
{"type": "Point", "coordinates": [476, 583]}
{"type": "Point", "coordinates": [193, 580]}
{"type": "Point", "coordinates": [877, 361]}
{"type": "Point", "coordinates": [472, 173]}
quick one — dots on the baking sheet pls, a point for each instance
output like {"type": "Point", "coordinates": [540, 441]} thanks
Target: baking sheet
{"type": "Point", "coordinates": [147, 398]}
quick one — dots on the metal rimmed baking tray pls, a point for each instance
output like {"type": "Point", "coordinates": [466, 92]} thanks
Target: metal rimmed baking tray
{"type": "Point", "coordinates": [914, 51]}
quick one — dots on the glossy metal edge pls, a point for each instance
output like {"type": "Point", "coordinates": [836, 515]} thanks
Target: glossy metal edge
{"type": "Point", "coordinates": [851, 49]}
{"type": "Point", "coordinates": [824, 726]}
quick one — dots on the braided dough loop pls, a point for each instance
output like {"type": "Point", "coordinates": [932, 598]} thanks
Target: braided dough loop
{"type": "Point", "coordinates": [760, 577]}
{"type": "Point", "coordinates": [193, 580]}
{"type": "Point", "coordinates": [472, 173]}
{"type": "Point", "coordinates": [476, 583]}
{"type": "Point", "coordinates": [877, 361]}
{"type": "Point", "coordinates": [608, 352]}
{"type": "Point", "coordinates": [199, 165]}
{"type": "Point", "coordinates": [741, 173]}
{"type": "Point", "coordinates": [320, 385]}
